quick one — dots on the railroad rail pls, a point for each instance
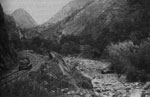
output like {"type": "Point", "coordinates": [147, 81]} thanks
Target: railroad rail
{"type": "Point", "coordinates": [3, 82]}
{"type": "Point", "coordinates": [17, 73]}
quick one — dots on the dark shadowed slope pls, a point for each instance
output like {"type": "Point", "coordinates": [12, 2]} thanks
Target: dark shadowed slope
{"type": "Point", "coordinates": [7, 54]}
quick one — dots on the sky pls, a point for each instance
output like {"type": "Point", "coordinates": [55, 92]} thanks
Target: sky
{"type": "Point", "coordinates": [40, 10]}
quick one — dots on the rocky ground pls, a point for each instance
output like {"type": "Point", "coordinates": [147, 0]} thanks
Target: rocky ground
{"type": "Point", "coordinates": [47, 73]}
{"type": "Point", "coordinates": [109, 84]}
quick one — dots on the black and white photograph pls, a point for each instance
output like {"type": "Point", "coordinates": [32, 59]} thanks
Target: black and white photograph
{"type": "Point", "coordinates": [74, 48]}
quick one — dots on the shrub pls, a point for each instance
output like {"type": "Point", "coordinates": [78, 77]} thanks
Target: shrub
{"type": "Point", "coordinates": [141, 60]}
{"type": "Point", "coordinates": [118, 55]}
{"type": "Point", "coordinates": [131, 60]}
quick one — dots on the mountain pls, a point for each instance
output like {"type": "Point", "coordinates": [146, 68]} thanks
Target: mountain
{"type": "Point", "coordinates": [98, 13]}
{"type": "Point", "coordinates": [80, 15]}
{"type": "Point", "coordinates": [101, 22]}
{"type": "Point", "coordinates": [52, 27]}
{"type": "Point", "coordinates": [23, 19]}
{"type": "Point", "coordinates": [100, 16]}
{"type": "Point", "coordinates": [68, 10]}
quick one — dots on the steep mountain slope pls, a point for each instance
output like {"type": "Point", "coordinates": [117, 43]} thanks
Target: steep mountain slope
{"type": "Point", "coordinates": [111, 17]}
{"type": "Point", "coordinates": [23, 19]}
{"type": "Point", "coordinates": [11, 25]}
{"type": "Point", "coordinates": [100, 12]}
{"type": "Point", "coordinates": [7, 54]}
{"type": "Point", "coordinates": [101, 22]}
{"type": "Point", "coordinates": [68, 10]}
{"type": "Point", "coordinates": [91, 18]}
{"type": "Point", "coordinates": [53, 27]}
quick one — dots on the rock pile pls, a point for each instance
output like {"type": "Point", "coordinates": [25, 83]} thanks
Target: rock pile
{"type": "Point", "coordinates": [109, 85]}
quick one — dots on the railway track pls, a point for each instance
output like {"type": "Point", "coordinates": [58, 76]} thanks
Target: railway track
{"type": "Point", "coordinates": [16, 74]}
{"type": "Point", "coordinates": [6, 76]}
{"type": "Point", "coordinates": [10, 78]}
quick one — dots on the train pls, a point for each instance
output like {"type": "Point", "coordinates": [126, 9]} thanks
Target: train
{"type": "Point", "coordinates": [24, 64]}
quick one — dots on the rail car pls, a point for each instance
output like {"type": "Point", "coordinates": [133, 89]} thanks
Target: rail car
{"type": "Point", "coordinates": [24, 64]}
